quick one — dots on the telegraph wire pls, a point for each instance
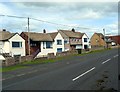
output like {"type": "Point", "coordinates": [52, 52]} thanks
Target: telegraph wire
{"type": "Point", "coordinates": [44, 21]}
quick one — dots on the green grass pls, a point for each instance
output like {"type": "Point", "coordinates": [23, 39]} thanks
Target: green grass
{"type": "Point", "coordinates": [11, 68]}
{"type": "Point", "coordinates": [95, 51]}
{"type": "Point", "coordinates": [59, 58]}
{"type": "Point", "coordinates": [47, 60]}
{"type": "Point", "coordinates": [36, 62]}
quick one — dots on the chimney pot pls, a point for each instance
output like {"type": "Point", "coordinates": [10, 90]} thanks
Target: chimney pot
{"type": "Point", "coordinates": [44, 31]}
{"type": "Point", "coordinates": [4, 29]}
{"type": "Point", "coordinates": [73, 29]}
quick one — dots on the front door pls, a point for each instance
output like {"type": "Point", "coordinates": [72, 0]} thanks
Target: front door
{"type": "Point", "coordinates": [85, 47]}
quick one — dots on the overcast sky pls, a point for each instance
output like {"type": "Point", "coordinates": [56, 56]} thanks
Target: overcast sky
{"type": "Point", "coordinates": [92, 15]}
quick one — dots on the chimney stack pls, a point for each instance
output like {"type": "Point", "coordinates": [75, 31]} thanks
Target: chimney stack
{"type": "Point", "coordinates": [73, 29]}
{"type": "Point", "coordinates": [44, 31]}
{"type": "Point", "coordinates": [4, 30]}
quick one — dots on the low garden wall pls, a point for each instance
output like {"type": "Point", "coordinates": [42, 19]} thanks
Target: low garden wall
{"type": "Point", "coordinates": [12, 60]}
{"type": "Point", "coordinates": [59, 54]}
{"type": "Point", "coordinates": [15, 60]}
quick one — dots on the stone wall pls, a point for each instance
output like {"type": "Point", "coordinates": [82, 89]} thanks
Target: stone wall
{"type": "Point", "coordinates": [9, 61]}
{"type": "Point", "coordinates": [97, 48]}
{"type": "Point", "coordinates": [66, 53]}
{"type": "Point", "coordinates": [50, 55]}
{"type": "Point", "coordinates": [26, 58]}
{"type": "Point", "coordinates": [15, 60]}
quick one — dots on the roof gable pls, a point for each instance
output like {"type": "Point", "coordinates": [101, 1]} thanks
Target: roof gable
{"type": "Point", "coordinates": [53, 35]}
{"type": "Point", "coordinates": [5, 35]}
{"type": "Point", "coordinates": [100, 35]}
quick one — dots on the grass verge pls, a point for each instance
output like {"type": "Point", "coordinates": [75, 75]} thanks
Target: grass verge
{"type": "Point", "coordinates": [11, 68]}
{"type": "Point", "coordinates": [36, 62]}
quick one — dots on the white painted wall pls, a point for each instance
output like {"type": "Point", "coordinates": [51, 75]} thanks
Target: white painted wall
{"type": "Point", "coordinates": [1, 58]}
{"type": "Point", "coordinates": [1, 44]}
{"type": "Point", "coordinates": [85, 43]}
{"type": "Point", "coordinates": [15, 50]}
{"type": "Point", "coordinates": [58, 37]}
{"type": "Point", "coordinates": [45, 51]}
{"type": "Point", "coordinates": [4, 47]}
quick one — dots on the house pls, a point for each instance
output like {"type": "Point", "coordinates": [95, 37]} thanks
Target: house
{"type": "Point", "coordinates": [43, 43]}
{"type": "Point", "coordinates": [97, 40]}
{"type": "Point", "coordinates": [11, 44]}
{"type": "Point", "coordinates": [115, 39]}
{"type": "Point", "coordinates": [74, 40]}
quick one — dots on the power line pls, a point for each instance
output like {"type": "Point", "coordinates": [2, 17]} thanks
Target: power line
{"type": "Point", "coordinates": [61, 24]}
{"type": "Point", "coordinates": [12, 16]}
{"type": "Point", "coordinates": [87, 28]}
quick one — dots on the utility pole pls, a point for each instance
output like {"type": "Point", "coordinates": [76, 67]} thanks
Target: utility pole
{"type": "Point", "coordinates": [104, 37]}
{"type": "Point", "coordinates": [28, 37]}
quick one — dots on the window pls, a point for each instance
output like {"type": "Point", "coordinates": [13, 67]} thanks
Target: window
{"type": "Point", "coordinates": [17, 44]}
{"type": "Point", "coordinates": [33, 44]}
{"type": "Point", "coordinates": [65, 41]}
{"type": "Point", "coordinates": [59, 42]}
{"type": "Point", "coordinates": [59, 49]}
{"type": "Point", "coordinates": [85, 39]}
{"type": "Point", "coordinates": [48, 44]}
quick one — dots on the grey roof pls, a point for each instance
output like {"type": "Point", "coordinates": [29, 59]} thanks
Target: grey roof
{"type": "Point", "coordinates": [5, 35]}
{"type": "Point", "coordinates": [53, 35]}
{"type": "Point", "coordinates": [69, 33]}
{"type": "Point", "coordinates": [39, 36]}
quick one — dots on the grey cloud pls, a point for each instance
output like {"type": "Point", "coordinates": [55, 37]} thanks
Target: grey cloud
{"type": "Point", "coordinates": [103, 6]}
{"type": "Point", "coordinates": [69, 9]}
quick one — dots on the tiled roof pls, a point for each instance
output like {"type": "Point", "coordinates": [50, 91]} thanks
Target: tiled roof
{"type": "Point", "coordinates": [100, 35]}
{"type": "Point", "coordinates": [53, 35]}
{"type": "Point", "coordinates": [5, 35]}
{"type": "Point", "coordinates": [69, 33]}
{"type": "Point", "coordinates": [39, 36]}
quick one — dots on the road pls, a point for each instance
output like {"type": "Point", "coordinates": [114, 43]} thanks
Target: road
{"type": "Point", "coordinates": [95, 71]}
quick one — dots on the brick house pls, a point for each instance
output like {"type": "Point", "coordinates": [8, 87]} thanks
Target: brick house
{"type": "Point", "coordinates": [97, 40]}
{"type": "Point", "coordinates": [115, 39]}
{"type": "Point", "coordinates": [64, 40]}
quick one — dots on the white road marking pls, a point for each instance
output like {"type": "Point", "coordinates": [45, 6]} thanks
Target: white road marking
{"type": "Point", "coordinates": [115, 56]}
{"type": "Point", "coordinates": [83, 74]}
{"type": "Point", "coordinates": [20, 74]}
{"type": "Point", "coordinates": [29, 72]}
{"type": "Point", "coordinates": [106, 61]}
{"type": "Point", "coordinates": [33, 71]}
